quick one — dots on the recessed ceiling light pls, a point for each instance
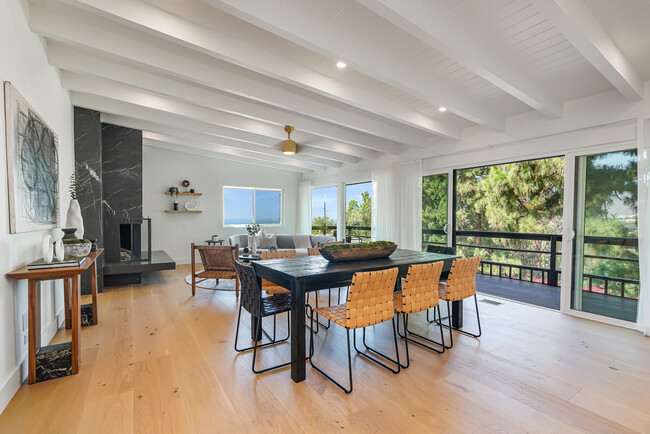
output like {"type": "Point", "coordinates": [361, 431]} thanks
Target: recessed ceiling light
{"type": "Point", "coordinates": [442, 109]}
{"type": "Point", "coordinates": [340, 65]}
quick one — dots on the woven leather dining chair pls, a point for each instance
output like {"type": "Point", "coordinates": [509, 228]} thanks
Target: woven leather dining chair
{"type": "Point", "coordinates": [260, 307]}
{"type": "Point", "coordinates": [460, 285]}
{"type": "Point", "coordinates": [269, 286]}
{"type": "Point", "coordinates": [369, 302]}
{"type": "Point", "coordinates": [419, 293]}
{"type": "Point", "coordinates": [218, 263]}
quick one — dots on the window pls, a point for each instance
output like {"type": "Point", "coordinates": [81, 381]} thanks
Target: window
{"type": "Point", "coordinates": [323, 211]}
{"type": "Point", "coordinates": [249, 205]}
{"type": "Point", "coordinates": [358, 199]}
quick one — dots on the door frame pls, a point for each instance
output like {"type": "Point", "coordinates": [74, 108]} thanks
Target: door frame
{"type": "Point", "coordinates": [568, 230]}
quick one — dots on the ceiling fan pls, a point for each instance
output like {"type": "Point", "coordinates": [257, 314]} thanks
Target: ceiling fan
{"type": "Point", "coordinates": [288, 146]}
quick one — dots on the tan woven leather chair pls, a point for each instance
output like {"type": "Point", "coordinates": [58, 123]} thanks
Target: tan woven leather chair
{"type": "Point", "coordinates": [460, 285]}
{"type": "Point", "coordinates": [369, 302]}
{"type": "Point", "coordinates": [419, 293]}
{"type": "Point", "coordinates": [270, 287]}
{"type": "Point", "coordinates": [313, 251]}
{"type": "Point", "coordinates": [218, 263]}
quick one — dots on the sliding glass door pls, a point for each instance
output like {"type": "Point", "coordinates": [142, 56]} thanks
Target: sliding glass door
{"type": "Point", "coordinates": [605, 278]}
{"type": "Point", "coordinates": [435, 194]}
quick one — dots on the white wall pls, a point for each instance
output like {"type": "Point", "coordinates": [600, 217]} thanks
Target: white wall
{"type": "Point", "coordinates": [174, 233]}
{"type": "Point", "coordinates": [23, 63]}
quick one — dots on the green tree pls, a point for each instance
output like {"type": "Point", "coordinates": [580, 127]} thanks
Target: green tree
{"type": "Point", "coordinates": [359, 215]}
{"type": "Point", "coordinates": [322, 225]}
{"type": "Point", "coordinates": [434, 207]}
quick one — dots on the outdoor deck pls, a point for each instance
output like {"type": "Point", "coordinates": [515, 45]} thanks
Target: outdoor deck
{"type": "Point", "coordinates": [549, 296]}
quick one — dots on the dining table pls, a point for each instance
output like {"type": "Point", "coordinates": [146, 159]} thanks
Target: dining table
{"type": "Point", "coordinates": [312, 273]}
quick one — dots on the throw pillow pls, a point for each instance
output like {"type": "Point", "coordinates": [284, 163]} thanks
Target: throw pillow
{"type": "Point", "coordinates": [267, 241]}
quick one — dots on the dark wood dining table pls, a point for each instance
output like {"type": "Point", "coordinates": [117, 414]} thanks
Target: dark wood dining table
{"type": "Point", "coordinates": [312, 273]}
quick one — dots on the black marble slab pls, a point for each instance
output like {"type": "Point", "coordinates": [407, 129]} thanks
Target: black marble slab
{"type": "Point", "coordinates": [54, 361]}
{"type": "Point", "coordinates": [87, 315]}
{"type": "Point", "coordinates": [122, 183]}
{"type": "Point", "coordinates": [88, 163]}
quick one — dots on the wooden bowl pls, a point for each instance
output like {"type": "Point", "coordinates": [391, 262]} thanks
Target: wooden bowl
{"type": "Point", "coordinates": [358, 254]}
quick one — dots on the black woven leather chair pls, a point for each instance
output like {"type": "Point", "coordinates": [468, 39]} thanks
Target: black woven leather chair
{"type": "Point", "coordinates": [259, 307]}
{"type": "Point", "coordinates": [431, 248]}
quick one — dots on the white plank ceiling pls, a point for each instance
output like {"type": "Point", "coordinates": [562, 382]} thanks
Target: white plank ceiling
{"type": "Point", "coordinates": [222, 77]}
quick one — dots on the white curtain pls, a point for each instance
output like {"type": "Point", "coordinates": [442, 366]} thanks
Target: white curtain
{"type": "Point", "coordinates": [304, 207]}
{"type": "Point", "coordinates": [383, 204]}
{"type": "Point", "coordinates": [397, 204]}
{"type": "Point", "coordinates": [643, 315]}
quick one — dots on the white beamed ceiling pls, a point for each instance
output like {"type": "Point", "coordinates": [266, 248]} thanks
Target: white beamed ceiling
{"type": "Point", "coordinates": [222, 77]}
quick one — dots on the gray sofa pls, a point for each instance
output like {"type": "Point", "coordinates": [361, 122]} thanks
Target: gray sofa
{"type": "Point", "coordinates": [285, 241]}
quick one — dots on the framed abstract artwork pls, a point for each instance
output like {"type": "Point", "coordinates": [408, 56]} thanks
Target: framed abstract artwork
{"type": "Point", "coordinates": [32, 166]}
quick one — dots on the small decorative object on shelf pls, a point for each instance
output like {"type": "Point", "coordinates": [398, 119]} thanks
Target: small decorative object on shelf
{"type": "Point", "coordinates": [215, 237]}
{"type": "Point", "coordinates": [191, 190]}
{"type": "Point", "coordinates": [192, 205]}
{"type": "Point", "coordinates": [59, 252]}
{"type": "Point", "coordinates": [357, 251]}
{"type": "Point", "coordinates": [48, 249]}
{"type": "Point", "coordinates": [185, 183]}
{"type": "Point", "coordinates": [76, 248]}
{"type": "Point", "coordinates": [74, 218]}
{"type": "Point", "coordinates": [69, 233]}
{"type": "Point", "coordinates": [173, 191]}
{"type": "Point", "coordinates": [175, 205]}
{"type": "Point", "coordinates": [93, 247]}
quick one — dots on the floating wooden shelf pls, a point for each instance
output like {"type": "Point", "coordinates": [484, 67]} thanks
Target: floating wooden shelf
{"type": "Point", "coordinates": [184, 211]}
{"type": "Point", "coordinates": [182, 193]}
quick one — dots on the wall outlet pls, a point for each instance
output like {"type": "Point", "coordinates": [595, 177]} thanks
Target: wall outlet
{"type": "Point", "coordinates": [24, 321]}
{"type": "Point", "coordinates": [24, 339]}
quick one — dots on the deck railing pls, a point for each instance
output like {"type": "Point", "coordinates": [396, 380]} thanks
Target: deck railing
{"type": "Point", "coordinates": [550, 275]}
{"type": "Point", "coordinates": [354, 233]}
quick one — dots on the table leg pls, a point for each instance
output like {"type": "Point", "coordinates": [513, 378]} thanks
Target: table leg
{"type": "Point", "coordinates": [93, 288]}
{"type": "Point", "coordinates": [34, 317]}
{"type": "Point", "coordinates": [66, 302]}
{"type": "Point", "coordinates": [457, 314]}
{"type": "Point", "coordinates": [76, 323]}
{"type": "Point", "coordinates": [298, 345]}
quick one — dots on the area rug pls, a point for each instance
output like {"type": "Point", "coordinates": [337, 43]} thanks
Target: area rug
{"type": "Point", "coordinates": [224, 284]}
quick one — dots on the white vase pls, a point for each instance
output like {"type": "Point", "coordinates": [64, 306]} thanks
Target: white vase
{"type": "Point", "coordinates": [252, 244]}
{"type": "Point", "coordinates": [48, 249]}
{"type": "Point", "coordinates": [74, 219]}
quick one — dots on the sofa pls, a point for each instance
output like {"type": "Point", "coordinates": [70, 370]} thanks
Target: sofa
{"type": "Point", "coordinates": [285, 241]}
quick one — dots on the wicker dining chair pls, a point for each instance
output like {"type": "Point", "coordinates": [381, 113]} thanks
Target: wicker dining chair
{"type": "Point", "coordinates": [369, 302]}
{"type": "Point", "coordinates": [419, 293]}
{"type": "Point", "coordinates": [460, 285]}
{"type": "Point", "coordinates": [432, 248]}
{"type": "Point", "coordinates": [268, 286]}
{"type": "Point", "coordinates": [260, 307]}
{"type": "Point", "coordinates": [218, 263]}
{"type": "Point", "coordinates": [313, 251]}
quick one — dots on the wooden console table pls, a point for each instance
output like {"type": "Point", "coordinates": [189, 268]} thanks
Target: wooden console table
{"type": "Point", "coordinates": [46, 363]}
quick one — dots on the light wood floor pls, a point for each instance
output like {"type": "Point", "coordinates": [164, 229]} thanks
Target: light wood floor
{"type": "Point", "coordinates": [162, 361]}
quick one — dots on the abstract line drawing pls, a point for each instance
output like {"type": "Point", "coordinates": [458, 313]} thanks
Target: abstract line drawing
{"type": "Point", "coordinates": [32, 166]}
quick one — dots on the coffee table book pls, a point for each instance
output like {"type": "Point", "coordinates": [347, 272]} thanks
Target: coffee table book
{"type": "Point", "coordinates": [41, 265]}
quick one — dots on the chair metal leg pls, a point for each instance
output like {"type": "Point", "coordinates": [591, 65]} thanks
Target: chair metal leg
{"type": "Point", "coordinates": [417, 342]}
{"type": "Point", "coordinates": [396, 362]}
{"type": "Point", "coordinates": [318, 323]}
{"type": "Point", "coordinates": [256, 346]}
{"type": "Point", "coordinates": [311, 358]}
{"type": "Point", "coordinates": [478, 319]}
{"type": "Point", "coordinates": [252, 347]}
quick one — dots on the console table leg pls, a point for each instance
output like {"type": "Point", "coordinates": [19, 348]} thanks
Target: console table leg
{"type": "Point", "coordinates": [34, 317]}
{"type": "Point", "coordinates": [66, 301]}
{"type": "Point", "coordinates": [93, 286]}
{"type": "Point", "coordinates": [76, 323]}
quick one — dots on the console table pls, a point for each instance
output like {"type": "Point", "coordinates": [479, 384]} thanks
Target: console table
{"type": "Point", "coordinates": [54, 361]}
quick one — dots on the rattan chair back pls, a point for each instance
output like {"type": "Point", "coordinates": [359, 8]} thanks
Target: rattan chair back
{"type": "Point", "coordinates": [462, 278]}
{"type": "Point", "coordinates": [251, 294]}
{"type": "Point", "coordinates": [218, 258]}
{"type": "Point", "coordinates": [370, 298]}
{"type": "Point", "coordinates": [277, 254]}
{"type": "Point", "coordinates": [420, 288]}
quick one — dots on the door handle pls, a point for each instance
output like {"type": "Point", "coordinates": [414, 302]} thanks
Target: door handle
{"type": "Point", "coordinates": [445, 228]}
{"type": "Point", "coordinates": [570, 234]}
